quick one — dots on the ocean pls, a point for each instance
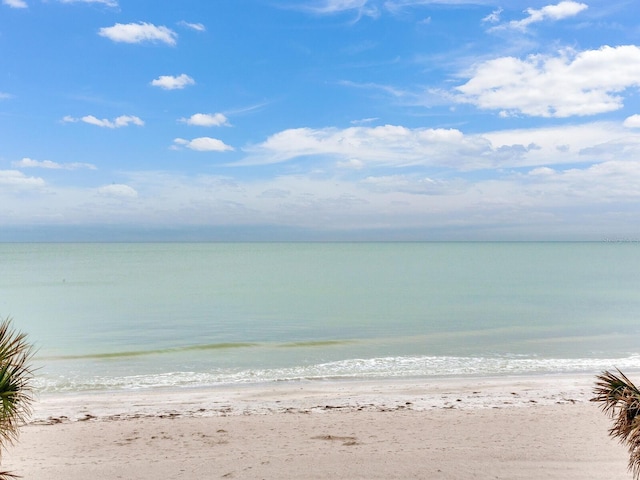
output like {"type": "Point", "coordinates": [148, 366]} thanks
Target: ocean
{"type": "Point", "coordinates": [127, 316]}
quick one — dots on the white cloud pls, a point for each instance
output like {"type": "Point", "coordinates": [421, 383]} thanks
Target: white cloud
{"type": "Point", "coordinates": [388, 144]}
{"type": "Point", "coordinates": [108, 3]}
{"type": "Point", "coordinates": [392, 146]}
{"type": "Point", "coordinates": [621, 148]}
{"type": "Point", "coordinates": [15, 3]}
{"type": "Point", "coordinates": [544, 202]}
{"type": "Point", "coordinates": [19, 179]}
{"type": "Point", "coordinates": [584, 83]}
{"type": "Point", "coordinates": [352, 163]}
{"type": "Point", "coordinates": [199, 27]}
{"type": "Point", "coordinates": [395, 6]}
{"type": "Point", "coordinates": [30, 163]}
{"type": "Point", "coordinates": [118, 191]}
{"type": "Point", "coordinates": [168, 82]}
{"type": "Point", "coordinates": [364, 121]}
{"type": "Point", "coordinates": [560, 144]}
{"type": "Point", "coordinates": [330, 7]}
{"type": "Point", "coordinates": [632, 122]}
{"type": "Point", "coordinates": [403, 199]}
{"type": "Point", "coordinates": [118, 122]}
{"type": "Point", "coordinates": [206, 120]}
{"type": "Point", "coordinates": [138, 33]}
{"type": "Point", "coordinates": [333, 6]}
{"type": "Point", "coordinates": [5, 96]}
{"type": "Point", "coordinates": [202, 144]}
{"type": "Point", "coordinates": [559, 11]}
{"type": "Point", "coordinates": [493, 17]}
{"type": "Point", "coordinates": [605, 182]}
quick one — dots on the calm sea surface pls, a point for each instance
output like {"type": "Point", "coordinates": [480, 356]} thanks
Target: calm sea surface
{"type": "Point", "coordinates": [145, 315]}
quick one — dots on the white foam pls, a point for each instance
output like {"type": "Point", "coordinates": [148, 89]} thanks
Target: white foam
{"type": "Point", "coordinates": [372, 368]}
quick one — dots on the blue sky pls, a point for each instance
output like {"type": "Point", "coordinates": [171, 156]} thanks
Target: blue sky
{"type": "Point", "coordinates": [381, 119]}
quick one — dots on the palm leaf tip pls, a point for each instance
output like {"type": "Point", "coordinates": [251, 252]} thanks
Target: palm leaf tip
{"type": "Point", "coordinates": [8, 476]}
{"type": "Point", "coordinates": [619, 398]}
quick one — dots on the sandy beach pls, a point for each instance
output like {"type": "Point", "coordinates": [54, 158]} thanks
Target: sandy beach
{"type": "Point", "coordinates": [503, 428]}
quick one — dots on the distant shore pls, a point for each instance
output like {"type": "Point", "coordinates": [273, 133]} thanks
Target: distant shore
{"type": "Point", "coordinates": [505, 427]}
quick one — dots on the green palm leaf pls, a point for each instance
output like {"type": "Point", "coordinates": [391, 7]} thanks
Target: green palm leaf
{"type": "Point", "coordinates": [16, 393]}
{"type": "Point", "coordinates": [620, 399]}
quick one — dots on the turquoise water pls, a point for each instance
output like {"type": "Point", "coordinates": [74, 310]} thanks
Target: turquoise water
{"type": "Point", "coordinates": [144, 315]}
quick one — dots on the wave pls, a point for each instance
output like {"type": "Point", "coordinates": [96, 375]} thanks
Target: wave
{"type": "Point", "coordinates": [352, 369]}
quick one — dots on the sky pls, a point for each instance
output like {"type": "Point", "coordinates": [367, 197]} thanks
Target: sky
{"type": "Point", "coordinates": [320, 119]}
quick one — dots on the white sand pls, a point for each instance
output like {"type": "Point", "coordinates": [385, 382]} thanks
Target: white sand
{"type": "Point", "coordinates": [508, 428]}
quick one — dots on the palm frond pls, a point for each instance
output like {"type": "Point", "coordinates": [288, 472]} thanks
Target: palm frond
{"type": "Point", "coordinates": [16, 392]}
{"type": "Point", "coordinates": [620, 399]}
{"type": "Point", "coordinates": [8, 476]}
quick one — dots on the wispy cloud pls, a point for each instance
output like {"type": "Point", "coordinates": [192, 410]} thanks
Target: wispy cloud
{"type": "Point", "coordinates": [248, 109]}
{"type": "Point", "coordinates": [169, 82]}
{"type": "Point", "coordinates": [389, 89]}
{"type": "Point", "coordinates": [417, 97]}
{"type": "Point", "coordinates": [363, 121]}
{"type": "Point", "coordinates": [199, 27]}
{"type": "Point", "coordinates": [108, 3]}
{"type": "Point", "coordinates": [202, 144]}
{"type": "Point", "coordinates": [15, 3]}
{"type": "Point", "coordinates": [493, 17]}
{"type": "Point", "coordinates": [395, 6]}
{"type": "Point", "coordinates": [374, 8]}
{"type": "Point", "coordinates": [570, 84]}
{"type": "Point", "coordinates": [206, 120]}
{"type": "Point", "coordinates": [138, 33]}
{"type": "Point", "coordinates": [335, 6]}
{"type": "Point", "coordinates": [48, 164]}
{"type": "Point", "coordinates": [118, 122]}
{"type": "Point", "coordinates": [363, 8]}
{"type": "Point", "coordinates": [556, 12]}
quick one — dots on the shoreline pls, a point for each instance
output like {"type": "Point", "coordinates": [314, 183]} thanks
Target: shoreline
{"type": "Point", "coordinates": [418, 394]}
{"type": "Point", "coordinates": [507, 428]}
